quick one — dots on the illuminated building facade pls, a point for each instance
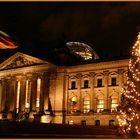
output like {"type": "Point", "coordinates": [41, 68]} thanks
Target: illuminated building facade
{"type": "Point", "coordinates": [82, 94]}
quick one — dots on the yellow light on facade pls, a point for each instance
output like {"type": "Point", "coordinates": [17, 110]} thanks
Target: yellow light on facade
{"type": "Point", "coordinates": [45, 119]}
{"type": "Point", "coordinates": [18, 95]}
{"type": "Point", "coordinates": [38, 92]}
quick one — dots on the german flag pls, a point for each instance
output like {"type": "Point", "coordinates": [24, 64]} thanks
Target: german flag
{"type": "Point", "coordinates": [6, 42]}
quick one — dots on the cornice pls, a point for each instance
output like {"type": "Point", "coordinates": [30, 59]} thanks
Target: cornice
{"type": "Point", "coordinates": [29, 69]}
{"type": "Point", "coordinates": [98, 66]}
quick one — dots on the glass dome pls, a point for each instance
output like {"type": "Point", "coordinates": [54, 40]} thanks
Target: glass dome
{"type": "Point", "coordinates": [85, 51]}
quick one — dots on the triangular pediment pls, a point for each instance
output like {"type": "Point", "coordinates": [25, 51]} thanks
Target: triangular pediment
{"type": "Point", "coordinates": [21, 60]}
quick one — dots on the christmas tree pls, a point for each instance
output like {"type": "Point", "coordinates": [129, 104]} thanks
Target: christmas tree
{"type": "Point", "coordinates": [130, 99]}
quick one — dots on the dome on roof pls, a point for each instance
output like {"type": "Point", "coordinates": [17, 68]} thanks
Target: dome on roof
{"type": "Point", "coordinates": [82, 49]}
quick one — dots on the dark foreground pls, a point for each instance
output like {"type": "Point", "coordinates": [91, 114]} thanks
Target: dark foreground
{"type": "Point", "coordinates": [42, 130]}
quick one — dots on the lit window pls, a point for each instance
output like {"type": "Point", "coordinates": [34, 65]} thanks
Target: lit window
{"type": "Point", "coordinates": [113, 81]}
{"type": "Point", "coordinates": [71, 122]}
{"type": "Point", "coordinates": [100, 105]}
{"type": "Point", "coordinates": [18, 95]}
{"type": "Point", "coordinates": [99, 82]}
{"type": "Point", "coordinates": [38, 92]}
{"type": "Point", "coordinates": [86, 105]}
{"type": "Point", "coordinates": [73, 105]}
{"type": "Point", "coordinates": [114, 104]}
{"type": "Point", "coordinates": [85, 83]}
{"type": "Point", "coordinates": [73, 85]}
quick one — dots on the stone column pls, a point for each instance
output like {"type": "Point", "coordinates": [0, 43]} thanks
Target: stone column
{"type": "Point", "coordinates": [92, 94]}
{"type": "Point", "coordinates": [22, 93]}
{"type": "Point", "coordinates": [52, 92]}
{"type": "Point", "coordinates": [5, 98]}
{"type": "Point", "coordinates": [120, 82]}
{"type": "Point", "coordinates": [16, 93]}
{"type": "Point", "coordinates": [41, 107]}
{"type": "Point", "coordinates": [8, 92]}
{"type": "Point", "coordinates": [67, 94]}
{"type": "Point", "coordinates": [33, 93]}
{"type": "Point", "coordinates": [0, 96]}
{"type": "Point", "coordinates": [95, 104]}
{"type": "Point", "coordinates": [28, 96]}
{"type": "Point", "coordinates": [65, 88]}
{"type": "Point", "coordinates": [46, 92]}
{"type": "Point", "coordinates": [13, 94]}
{"type": "Point", "coordinates": [79, 84]}
{"type": "Point", "coordinates": [3, 94]}
{"type": "Point", "coordinates": [106, 82]}
{"type": "Point", "coordinates": [9, 97]}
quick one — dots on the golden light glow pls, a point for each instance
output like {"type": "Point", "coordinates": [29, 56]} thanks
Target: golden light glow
{"type": "Point", "coordinates": [38, 92]}
{"type": "Point", "coordinates": [73, 104]}
{"type": "Point", "coordinates": [18, 95]}
{"type": "Point", "coordinates": [86, 105]}
{"type": "Point", "coordinates": [28, 90]}
{"type": "Point", "coordinates": [114, 104]}
{"type": "Point", "coordinates": [45, 119]}
{"type": "Point", "coordinates": [129, 114]}
{"type": "Point", "coordinates": [71, 122]}
{"type": "Point", "coordinates": [100, 105]}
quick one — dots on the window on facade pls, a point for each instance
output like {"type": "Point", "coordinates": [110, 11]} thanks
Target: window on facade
{"type": "Point", "coordinates": [83, 122]}
{"type": "Point", "coordinates": [73, 105]}
{"type": "Point", "coordinates": [100, 105]}
{"type": "Point", "coordinates": [18, 95]}
{"type": "Point", "coordinates": [111, 122]}
{"type": "Point", "coordinates": [113, 81]}
{"type": "Point", "coordinates": [28, 91]}
{"type": "Point", "coordinates": [38, 92]}
{"type": "Point", "coordinates": [71, 122]}
{"type": "Point", "coordinates": [86, 105]}
{"type": "Point", "coordinates": [99, 83]}
{"type": "Point", "coordinates": [73, 85]}
{"type": "Point", "coordinates": [85, 83]}
{"type": "Point", "coordinates": [97, 122]}
{"type": "Point", "coordinates": [114, 104]}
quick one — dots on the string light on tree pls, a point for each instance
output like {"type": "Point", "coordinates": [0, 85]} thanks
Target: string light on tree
{"type": "Point", "coordinates": [130, 97]}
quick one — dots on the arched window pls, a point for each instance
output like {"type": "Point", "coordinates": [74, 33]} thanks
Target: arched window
{"type": "Point", "coordinates": [114, 104]}
{"type": "Point", "coordinates": [86, 104]}
{"type": "Point", "coordinates": [73, 104]}
{"type": "Point", "coordinates": [100, 103]}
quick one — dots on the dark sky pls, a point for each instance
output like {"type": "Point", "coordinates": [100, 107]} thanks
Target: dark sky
{"type": "Point", "coordinates": [110, 28]}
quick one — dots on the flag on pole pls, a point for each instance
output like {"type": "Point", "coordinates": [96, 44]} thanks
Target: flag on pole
{"type": "Point", "coordinates": [6, 42]}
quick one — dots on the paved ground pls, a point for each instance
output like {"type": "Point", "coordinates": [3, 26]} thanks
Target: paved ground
{"type": "Point", "coordinates": [40, 130]}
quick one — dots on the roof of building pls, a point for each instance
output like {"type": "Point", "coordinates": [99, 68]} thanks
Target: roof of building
{"type": "Point", "coordinates": [61, 56]}
{"type": "Point", "coordinates": [82, 49]}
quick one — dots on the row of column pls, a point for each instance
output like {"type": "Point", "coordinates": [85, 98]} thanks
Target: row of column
{"type": "Point", "coordinates": [24, 93]}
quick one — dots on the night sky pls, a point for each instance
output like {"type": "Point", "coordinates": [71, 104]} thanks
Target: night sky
{"type": "Point", "coordinates": [110, 28]}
